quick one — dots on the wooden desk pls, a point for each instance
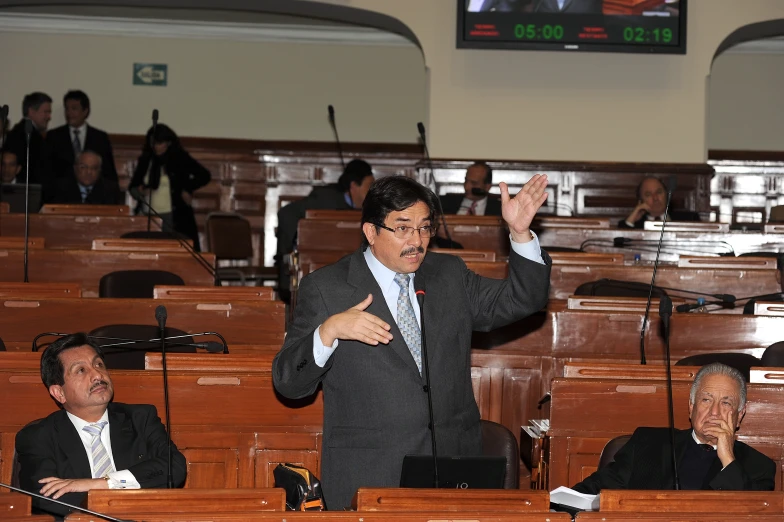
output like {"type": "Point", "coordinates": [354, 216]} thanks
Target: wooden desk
{"type": "Point", "coordinates": [220, 293]}
{"type": "Point", "coordinates": [738, 502]}
{"type": "Point", "coordinates": [390, 500]}
{"type": "Point", "coordinates": [60, 231]}
{"type": "Point", "coordinates": [711, 516]}
{"type": "Point", "coordinates": [347, 516]}
{"type": "Point", "coordinates": [13, 242]}
{"type": "Point", "coordinates": [85, 210]}
{"type": "Point", "coordinates": [39, 290]}
{"type": "Point", "coordinates": [604, 371]}
{"type": "Point", "coordinates": [136, 502]}
{"type": "Point", "coordinates": [88, 266]}
{"type": "Point", "coordinates": [140, 245]}
{"type": "Point", "coordinates": [14, 505]}
{"type": "Point", "coordinates": [239, 322]}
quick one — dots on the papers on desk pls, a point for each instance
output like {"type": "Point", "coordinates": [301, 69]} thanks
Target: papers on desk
{"type": "Point", "coordinates": [538, 428]}
{"type": "Point", "coordinates": [573, 499]}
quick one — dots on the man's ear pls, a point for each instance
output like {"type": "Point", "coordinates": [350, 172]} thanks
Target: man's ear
{"type": "Point", "coordinates": [369, 229]}
{"type": "Point", "coordinates": [56, 391]}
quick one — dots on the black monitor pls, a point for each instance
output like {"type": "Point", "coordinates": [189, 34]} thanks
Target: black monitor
{"type": "Point", "coordinates": [14, 195]}
{"type": "Point", "coordinates": [633, 26]}
{"type": "Point", "coordinates": [454, 472]}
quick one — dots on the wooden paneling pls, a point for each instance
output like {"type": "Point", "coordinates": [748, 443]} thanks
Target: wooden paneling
{"type": "Point", "coordinates": [195, 501]}
{"type": "Point", "coordinates": [60, 231]}
{"type": "Point", "coordinates": [86, 210]}
{"type": "Point", "coordinates": [390, 500]}
{"type": "Point", "coordinates": [219, 293]}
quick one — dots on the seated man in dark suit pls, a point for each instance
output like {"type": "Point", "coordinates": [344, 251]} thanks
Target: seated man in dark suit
{"type": "Point", "coordinates": [476, 200]}
{"type": "Point", "coordinates": [68, 141]}
{"type": "Point", "coordinates": [651, 203]}
{"type": "Point", "coordinates": [775, 298]}
{"type": "Point", "coordinates": [708, 455]}
{"type": "Point", "coordinates": [36, 107]}
{"type": "Point", "coordinates": [87, 185]}
{"type": "Point", "coordinates": [347, 194]}
{"type": "Point", "coordinates": [11, 169]}
{"type": "Point", "coordinates": [91, 443]}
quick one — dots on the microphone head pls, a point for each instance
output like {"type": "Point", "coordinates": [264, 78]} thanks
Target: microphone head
{"type": "Point", "coordinates": [155, 115]}
{"type": "Point", "coordinates": [665, 306]}
{"type": "Point", "coordinates": [421, 129]}
{"type": "Point", "coordinates": [214, 347]}
{"type": "Point", "coordinates": [160, 314]}
{"type": "Point", "coordinates": [672, 183]}
{"type": "Point", "coordinates": [727, 298]}
{"type": "Point", "coordinates": [331, 111]}
{"type": "Point", "coordinates": [3, 112]}
{"type": "Point", "coordinates": [620, 241]}
{"type": "Point", "coordinates": [685, 307]}
{"type": "Point", "coordinates": [28, 127]}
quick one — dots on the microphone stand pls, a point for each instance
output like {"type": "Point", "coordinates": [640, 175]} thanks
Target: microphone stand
{"type": "Point", "coordinates": [28, 132]}
{"type": "Point", "coordinates": [66, 504]}
{"type": "Point", "coordinates": [420, 295]}
{"type": "Point", "coordinates": [665, 311]}
{"type": "Point", "coordinates": [160, 315]}
{"type": "Point", "coordinates": [3, 119]}
{"type": "Point", "coordinates": [152, 147]}
{"type": "Point", "coordinates": [211, 346]}
{"type": "Point", "coordinates": [432, 180]}
{"type": "Point", "coordinates": [670, 189]}
{"type": "Point", "coordinates": [331, 111]}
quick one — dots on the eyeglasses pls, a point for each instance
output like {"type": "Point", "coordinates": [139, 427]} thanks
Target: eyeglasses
{"type": "Point", "coordinates": [82, 167]}
{"type": "Point", "coordinates": [406, 232]}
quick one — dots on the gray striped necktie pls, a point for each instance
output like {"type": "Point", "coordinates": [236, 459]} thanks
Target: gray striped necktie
{"type": "Point", "coordinates": [77, 144]}
{"type": "Point", "coordinates": [101, 462]}
{"type": "Point", "coordinates": [407, 321]}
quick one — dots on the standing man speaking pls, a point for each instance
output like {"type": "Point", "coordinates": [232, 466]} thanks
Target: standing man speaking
{"type": "Point", "coordinates": [357, 332]}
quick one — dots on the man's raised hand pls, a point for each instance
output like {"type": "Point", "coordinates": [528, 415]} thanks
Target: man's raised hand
{"type": "Point", "coordinates": [519, 211]}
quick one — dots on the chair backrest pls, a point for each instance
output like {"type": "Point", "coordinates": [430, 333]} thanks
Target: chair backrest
{"type": "Point", "coordinates": [740, 361]}
{"type": "Point", "coordinates": [2, 346]}
{"type": "Point", "coordinates": [772, 356]}
{"type": "Point", "coordinates": [615, 288]}
{"type": "Point", "coordinates": [611, 448]}
{"type": "Point", "coordinates": [148, 234]}
{"type": "Point", "coordinates": [498, 441]}
{"type": "Point", "coordinates": [138, 284]}
{"type": "Point", "coordinates": [131, 357]}
{"type": "Point", "coordinates": [229, 236]}
{"type": "Point", "coordinates": [16, 469]}
{"type": "Point", "coordinates": [776, 214]}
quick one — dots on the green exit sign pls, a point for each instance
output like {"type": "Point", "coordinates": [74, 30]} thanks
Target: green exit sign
{"type": "Point", "coordinates": [153, 74]}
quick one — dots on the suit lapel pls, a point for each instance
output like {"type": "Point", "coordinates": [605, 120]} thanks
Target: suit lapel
{"type": "Point", "coordinates": [681, 439]}
{"type": "Point", "coordinates": [72, 447]}
{"type": "Point", "coordinates": [121, 435]}
{"type": "Point", "coordinates": [361, 278]}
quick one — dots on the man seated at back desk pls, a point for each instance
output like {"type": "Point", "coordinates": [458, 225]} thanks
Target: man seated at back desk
{"type": "Point", "coordinates": [651, 203]}
{"type": "Point", "coordinates": [12, 170]}
{"type": "Point", "coordinates": [86, 184]}
{"type": "Point", "coordinates": [91, 443]}
{"type": "Point", "coordinates": [708, 456]}
{"type": "Point", "coordinates": [476, 200]}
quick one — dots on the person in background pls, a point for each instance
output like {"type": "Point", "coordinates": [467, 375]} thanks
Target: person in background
{"type": "Point", "coordinates": [68, 141]}
{"type": "Point", "coordinates": [86, 184]}
{"type": "Point", "coordinates": [11, 169]}
{"type": "Point", "coordinates": [476, 200]}
{"type": "Point", "coordinates": [166, 176]}
{"type": "Point", "coordinates": [36, 107]}
{"type": "Point", "coordinates": [651, 204]}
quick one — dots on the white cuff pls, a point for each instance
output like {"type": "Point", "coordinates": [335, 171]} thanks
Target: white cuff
{"type": "Point", "coordinates": [321, 353]}
{"type": "Point", "coordinates": [123, 479]}
{"type": "Point", "coordinates": [530, 250]}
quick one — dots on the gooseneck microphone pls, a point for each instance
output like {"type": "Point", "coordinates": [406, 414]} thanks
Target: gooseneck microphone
{"type": "Point", "coordinates": [128, 344]}
{"type": "Point", "coordinates": [152, 147]}
{"type": "Point", "coordinates": [420, 295]}
{"type": "Point", "coordinates": [66, 504]}
{"type": "Point", "coordinates": [331, 111]}
{"type": "Point", "coordinates": [432, 181]}
{"type": "Point", "coordinates": [665, 311]}
{"type": "Point", "coordinates": [160, 316]}
{"type": "Point", "coordinates": [670, 188]}
{"type": "Point", "coordinates": [28, 134]}
{"type": "Point", "coordinates": [3, 119]}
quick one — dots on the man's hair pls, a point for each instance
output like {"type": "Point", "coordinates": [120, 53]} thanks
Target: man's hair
{"type": "Point", "coordinates": [10, 153]}
{"type": "Point", "coordinates": [52, 371]}
{"type": "Point", "coordinates": [488, 170]}
{"type": "Point", "coordinates": [355, 172]}
{"type": "Point", "coordinates": [394, 194]}
{"type": "Point", "coordinates": [88, 151]}
{"type": "Point", "coordinates": [34, 100]}
{"type": "Point", "coordinates": [79, 96]}
{"type": "Point", "coordinates": [643, 180]}
{"type": "Point", "coordinates": [719, 369]}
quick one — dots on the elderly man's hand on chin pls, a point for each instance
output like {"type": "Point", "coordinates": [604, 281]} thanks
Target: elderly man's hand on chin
{"type": "Point", "coordinates": [722, 429]}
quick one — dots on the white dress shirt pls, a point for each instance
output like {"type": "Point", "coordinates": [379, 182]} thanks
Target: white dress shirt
{"type": "Point", "coordinates": [123, 479]}
{"type": "Point", "coordinates": [479, 209]}
{"type": "Point", "coordinates": [385, 279]}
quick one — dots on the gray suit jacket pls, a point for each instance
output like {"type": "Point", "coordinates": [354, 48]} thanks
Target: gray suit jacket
{"type": "Point", "coordinates": [375, 405]}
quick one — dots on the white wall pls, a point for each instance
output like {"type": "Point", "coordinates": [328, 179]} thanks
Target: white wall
{"type": "Point", "coordinates": [747, 102]}
{"type": "Point", "coordinates": [218, 88]}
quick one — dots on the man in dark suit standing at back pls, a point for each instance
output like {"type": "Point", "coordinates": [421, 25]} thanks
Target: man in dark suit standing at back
{"type": "Point", "coordinates": [708, 455]}
{"type": "Point", "coordinates": [357, 332]}
{"type": "Point", "coordinates": [68, 141]}
{"type": "Point", "coordinates": [87, 185]}
{"type": "Point", "coordinates": [91, 443]}
{"type": "Point", "coordinates": [36, 107]}
{"type": "Point", "coordinates": [476, 200]}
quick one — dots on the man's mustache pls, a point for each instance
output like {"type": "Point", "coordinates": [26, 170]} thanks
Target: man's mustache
{"type": "Point", "coordinates": [99, 383]}
{"type": "Point", "coordinates": [412, 250]}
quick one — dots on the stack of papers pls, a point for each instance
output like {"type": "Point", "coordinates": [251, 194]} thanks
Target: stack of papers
{"type": "Point", "coordinates": [538, 428]}
{"type": "Point", "coordinates": [569, 497]}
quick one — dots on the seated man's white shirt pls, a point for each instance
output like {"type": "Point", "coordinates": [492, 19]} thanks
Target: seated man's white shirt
{"type": "Point", "coordinates": [479, 209]}
{"type": "Point", "coordinates": [122, 479]}
{"type": "Point", "coordinates": [385, 279]}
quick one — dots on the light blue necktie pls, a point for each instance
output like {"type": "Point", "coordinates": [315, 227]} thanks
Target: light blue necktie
{"type": "Point", "coordinates": [407, 321]}
{"type": "Point", "coordinates": [101, 462]}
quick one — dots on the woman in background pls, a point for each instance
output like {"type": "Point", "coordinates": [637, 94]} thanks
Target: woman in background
{"type": "Point", "coordinates": [166, 176]}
